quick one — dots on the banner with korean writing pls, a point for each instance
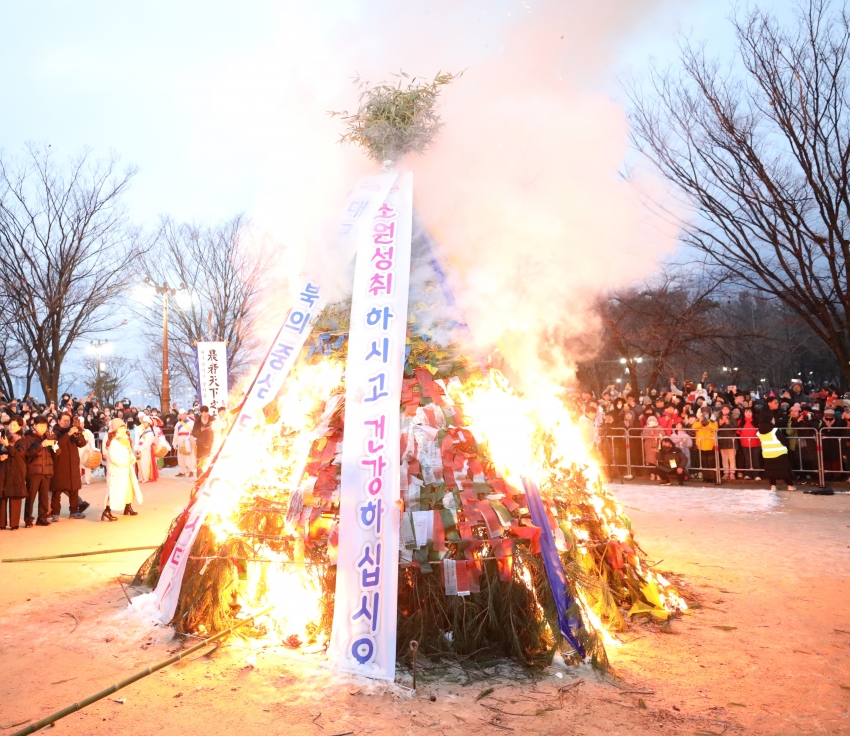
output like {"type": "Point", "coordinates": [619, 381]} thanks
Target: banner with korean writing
{"type": "Point", "coordinates": [364, 627]}
{"type": "Point", "coordinates": [212, 374]}
{"type": "Point", "coordinates": [364, 200]}
{"type": "Point", "coordinates": [270, 378]}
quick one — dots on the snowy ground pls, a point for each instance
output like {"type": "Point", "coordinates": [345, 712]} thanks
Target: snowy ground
{"type": "Point", "coordinates": [766, 650]}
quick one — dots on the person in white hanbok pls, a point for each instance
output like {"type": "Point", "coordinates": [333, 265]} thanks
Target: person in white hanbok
{"type": "Point", "coordinates": [122, 486]}
{"type": "Point", "coordinates": [184, 442]}
{"type": "Point", "coordinates": [85, 452]}
{"type": "Point", "coordinates": [145, 443]}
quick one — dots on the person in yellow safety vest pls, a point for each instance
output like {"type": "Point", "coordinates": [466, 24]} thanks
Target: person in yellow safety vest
{"type": "Point", "coordinates": [705, 436]}
{"type": "Point", "coordinates": [777, 463]}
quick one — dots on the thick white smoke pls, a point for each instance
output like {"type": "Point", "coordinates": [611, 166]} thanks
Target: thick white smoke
{"type": "Point", "coordinates": [522, 188]}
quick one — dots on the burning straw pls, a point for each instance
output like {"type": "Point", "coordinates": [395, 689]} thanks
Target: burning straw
{"type": "Point", "coordinates": [471, 575]}
{"type": "Point", "coordinates": [464, 428]}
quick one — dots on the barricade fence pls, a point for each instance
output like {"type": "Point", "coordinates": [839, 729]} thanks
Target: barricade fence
{"type": "Point", "coordinates": [723, 454]}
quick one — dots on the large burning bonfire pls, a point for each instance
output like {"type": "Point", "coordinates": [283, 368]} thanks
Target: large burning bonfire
{"type": "Point", "coordinates": [489, 479]}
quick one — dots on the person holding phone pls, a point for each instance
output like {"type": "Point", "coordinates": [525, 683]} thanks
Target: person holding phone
{"type": "Point", "coordinates": [41, 449]}
{"type": "Point", "coordinates": [14, 473]}
{"type": "Point", "coordinates": [66, 468]}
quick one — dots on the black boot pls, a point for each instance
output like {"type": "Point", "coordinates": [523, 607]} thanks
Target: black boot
{"type": "Point", "coordinates": [128, 511]}
{"type": "Point", "coordinates": [107, 515]}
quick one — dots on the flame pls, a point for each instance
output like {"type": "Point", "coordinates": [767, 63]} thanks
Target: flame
{"type": "Point", "coordinates": [272, 457]}
{"type": "Point", "coordinates": [529, 435]}
{"type": "Point", "coordinates": [534, 436]}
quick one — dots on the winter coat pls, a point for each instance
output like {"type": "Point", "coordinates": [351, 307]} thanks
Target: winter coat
{"type": "Point", "coordinates": [66, 464]}
{"type": "Point", "coordinates": [122, 486]}
{"type": "Point", "coordinates": [726, 437]}
{"type": "Point", "coordinates": [651, 437]}
{"type": "Point", "coordinates": [14, 469]}
{"type": "Point", "coordinates": [203, 434]}
{"type": "Point", "coordinates": [667, 422]}
{"type": "Point", "coordinates": [832, 438]}
{"type": "Point", "coordinates": [705, 436]}
{"type": "Point", "coordinates": [682, 439]}
{"type": "Point", "coordinates": [39, 458]}
{"type": "Point", "coordinates": [749, 433]}
{"type": "Point", "coordinates": [675, 454]}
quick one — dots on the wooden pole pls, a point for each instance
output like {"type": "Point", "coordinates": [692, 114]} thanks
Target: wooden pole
{"type": "Point", "coordinates": [33, 727]}
{"type": "Point", "coordinates": [76, 554]}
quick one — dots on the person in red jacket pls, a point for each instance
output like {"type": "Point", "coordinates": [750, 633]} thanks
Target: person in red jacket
{"type": "Point", "coordinates": [667, 420]}
{"type": "Point", "coordinates": [750, 446]}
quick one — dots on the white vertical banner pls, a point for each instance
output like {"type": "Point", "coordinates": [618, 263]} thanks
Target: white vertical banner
{"type": "Point", "coordinates": [364, 628]}
{"type": "Point", "coordinates": [212, 373]}
{"type": "Point", "coordinates": [270, 378]}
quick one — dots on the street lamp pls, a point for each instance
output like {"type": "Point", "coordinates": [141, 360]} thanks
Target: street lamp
{"type": "Point", "coordinates": [165, 290]}
{"type": "Point", "coordinates": [99, 347]}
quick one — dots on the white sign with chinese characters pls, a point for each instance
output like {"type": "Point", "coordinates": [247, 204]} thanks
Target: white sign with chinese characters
{"type": "Point", "coordinates": [364, 627]}
{"type": "Point", "coordinates": [212, 373]}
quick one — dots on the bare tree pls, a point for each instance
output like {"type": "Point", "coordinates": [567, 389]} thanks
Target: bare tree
{"type": "Point", "coordinates": [763, 157]}
{"type": "Point", "coordinates": [224, 277]}
{"type": "Point", "coordinates": [65, 247]}
{"type": "Point", "coordinates": [106, 380]}
{"type": "Point", "coordinates": [649, 327]}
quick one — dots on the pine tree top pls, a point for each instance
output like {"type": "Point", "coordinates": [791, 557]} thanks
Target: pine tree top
{"type": "Point", "coordinates": [393, 120]}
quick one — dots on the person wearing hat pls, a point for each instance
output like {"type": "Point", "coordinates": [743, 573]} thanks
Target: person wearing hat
{"type": "Point", "coordinates": [145, 444]}
{"type": "Point", "coordinates": [202, 431]}
{"type": "Point", "coordinates": [774, 452]}
{"type": "Point", "coordinates": [184, 443]}
{"type": "Point", "coordinates": [833, 433]}
{"type": "Point", "coordinates": [651, 435]}
{"type": "Point", "coordinates": [13, 472]}
{"type": "Point", "coordinates": [672, 463]}
{"type": "Point", "coordinates": [705, 436]}
{"type": "Point", "coordinates": [40, 451]}
{"type": "Point", "coordinates": [122, 486]}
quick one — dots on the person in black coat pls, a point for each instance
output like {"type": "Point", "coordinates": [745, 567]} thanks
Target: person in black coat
{"type": "Point", "coordinates": [40, 450]}
{"type": "Point", "coordinates": [66, 468]}
{"type": "Point", "coordinates": [13, 473]}
{"type": "Point", "coordinates": [203, 433]}
{"type": "Point", "coordinates": [671, 463]}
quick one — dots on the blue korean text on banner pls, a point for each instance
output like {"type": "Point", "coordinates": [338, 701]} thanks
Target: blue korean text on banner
{"type": "Point", "coordinates": [569, 625]}
{"type": "Point", "coordinates": [282, 354]}
{"type": "Point", "coordinates": [363, 640]}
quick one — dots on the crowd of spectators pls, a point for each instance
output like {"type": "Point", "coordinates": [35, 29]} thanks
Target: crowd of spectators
{"type": "Point", "coordinates": [47, 450]}
{"type": "Point", "coordinates": [715, 430]}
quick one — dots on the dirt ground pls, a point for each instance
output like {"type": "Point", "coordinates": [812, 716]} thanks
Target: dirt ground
{"type": "Point", "coordinates": [766, 649]}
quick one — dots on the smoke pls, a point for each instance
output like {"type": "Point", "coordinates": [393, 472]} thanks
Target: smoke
{"type": "Point", "coordinates": [522, 188]}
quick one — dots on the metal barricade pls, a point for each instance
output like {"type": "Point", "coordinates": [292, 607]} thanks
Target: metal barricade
{"type": "Point", "coordinates": [723, 454]}
{"type": "Point", "coordinates": [833, 453]}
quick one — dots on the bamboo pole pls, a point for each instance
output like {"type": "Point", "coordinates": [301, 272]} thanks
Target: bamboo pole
{"type": "Point", "coordinates": [33, 727]}
{"type": "Point", "coordinates": [77, 554]}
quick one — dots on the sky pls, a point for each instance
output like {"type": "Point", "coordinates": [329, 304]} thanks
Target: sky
{"type": "Point", "coordinates": [223, 109]}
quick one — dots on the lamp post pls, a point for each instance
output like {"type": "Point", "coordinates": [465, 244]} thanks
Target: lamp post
{"type": "Point", "coordinates": [165, 290]}
{"type": "Point", "coordinates": [100, 345]}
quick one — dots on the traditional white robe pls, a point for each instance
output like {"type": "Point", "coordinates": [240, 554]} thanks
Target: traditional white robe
{"type": "Point", "coordinates": [144, 451]}
{"type": "Point", "coordinates": [183, 441]}
{"type": "Point", "coordinates": [85, 452]}
{"type": "Point", "coordinates": [122, 487]}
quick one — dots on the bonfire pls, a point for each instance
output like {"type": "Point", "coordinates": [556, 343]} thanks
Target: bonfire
{"type": "Point", "coordinates": [509, 542]}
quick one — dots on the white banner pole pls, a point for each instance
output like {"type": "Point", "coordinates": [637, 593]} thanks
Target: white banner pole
{"type": "Point", "coordinates": [365, 603]}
